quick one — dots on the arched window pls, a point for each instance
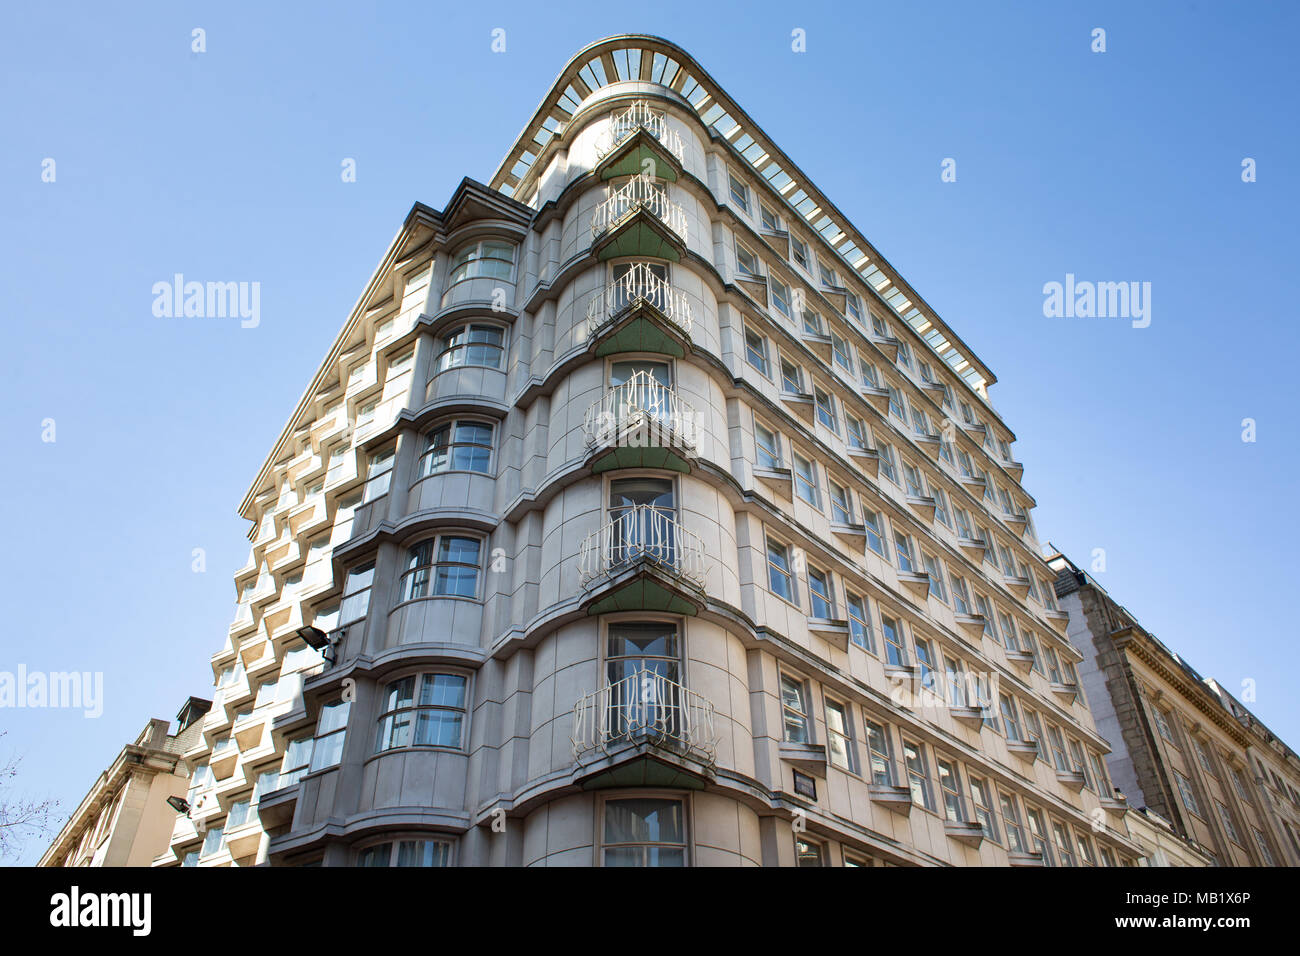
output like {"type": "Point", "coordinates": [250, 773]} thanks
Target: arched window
{"type": "Point", "coordinates": [482, 345]}
{"type": "Point", "coordinates": [445, 566]}
{"type": "Point", "coordinates": [488, 259]}
{"type": "Point", "coordinates": [457, 446]}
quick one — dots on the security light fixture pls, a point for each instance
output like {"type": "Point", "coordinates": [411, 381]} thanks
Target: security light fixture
{"type": "Point", "coordinates": [179, 804]}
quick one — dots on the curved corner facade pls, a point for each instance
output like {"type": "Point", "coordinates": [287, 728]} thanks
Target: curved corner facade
{"type": "Point", "coordinates": [636, 527]}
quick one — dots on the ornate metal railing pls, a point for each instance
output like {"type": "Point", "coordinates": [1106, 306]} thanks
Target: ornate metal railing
{"type": "Point", "coordinates": [639, 284]}
{"type": "Point", "coordinates": [643, 534]}
{"type": "Point", "coordinates": [639, 192]}
{"type": "Point", "coordinates": [641, 413]}
{"type": "Point", "coordinates": [645, 707]}
{"type": "Point", "coordinates": [640, 116]}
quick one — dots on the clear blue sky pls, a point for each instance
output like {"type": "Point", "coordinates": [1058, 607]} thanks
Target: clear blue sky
{"type": "Point", "coordinates": [225, 165]}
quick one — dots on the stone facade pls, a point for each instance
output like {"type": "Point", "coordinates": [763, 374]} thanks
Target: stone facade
{"type": "Point", "coordinates": [645, 516]}
{"type": "Point", "coordinates": [124, 820]}
{"type": "Point", "coordinates": [1181, 746]}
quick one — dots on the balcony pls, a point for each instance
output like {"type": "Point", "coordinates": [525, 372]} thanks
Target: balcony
{"type": "Point", "coordinates": [638, 290]}
{"type": "Point", "coordinates": [638, 219]}
{"type": "Point", "coordinates": [645, 424]}
{"type": "Point", "coordinates": [636, 118]}
{"type": "Point", "coordinates": [644, 708]}
{"type": "Point", "coordinates": [642, 538]}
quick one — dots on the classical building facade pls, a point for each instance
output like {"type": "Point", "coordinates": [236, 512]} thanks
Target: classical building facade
{"type": "Point", "coordinates": [1182, 746]}
{"type": "Point", "coordinates": [646, 516]}
{"type": "Point", "coordinates": [125, 820]}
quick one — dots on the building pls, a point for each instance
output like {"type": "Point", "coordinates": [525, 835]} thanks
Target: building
{"type": "Point", "coordinates": [1161, 844]}
{"type": "Point", "coordinates": [1182, 746]}
{"type": "Point", "coordinates": [125, 820]}
{"type": "Point", "coordinates": [644, 515]}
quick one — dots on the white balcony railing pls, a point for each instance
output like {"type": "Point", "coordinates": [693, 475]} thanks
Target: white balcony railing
{"type": "Point", "coordinates": [639, 192]}
{"type": "Point", "coordinates": [639, 285]}
{"type": "Point", "coordinates": [641, 413]}
{"type": "Point", "coordinates": [643, 534]}
{"type": "Point", "coordinates": [640, 116]}
{"type": "Point", "coordinates": [645, 707]}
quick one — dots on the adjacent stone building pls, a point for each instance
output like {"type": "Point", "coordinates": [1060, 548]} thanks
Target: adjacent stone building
{"type": "Point", "coordinates": [642, 514]}
{"type": "Point", "coordinates": [125, 820]}
{"type": "Point", "coordinates": [1182, 746]}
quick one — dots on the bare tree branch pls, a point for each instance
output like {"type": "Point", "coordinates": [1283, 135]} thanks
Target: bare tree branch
{"type": "Point", "coordinates": [20, 817]}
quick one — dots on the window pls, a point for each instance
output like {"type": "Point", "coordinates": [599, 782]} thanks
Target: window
{"type": "Point", "coordinates": [822, 604]}
{"type": "Point", "coordinates": [739, 191]}
{"type": "Point", "coordinates": [805, 480]}
{"type": "Point", "coordinates": [794, 710]}
{"type": "Point", "coordinates": [780, 295]}
{"type": "Point", "coordinates": [826, 410]}
{"type": "Point", "coordinates": [406, 853]}
{"type": "Point", "coordinates": [756, 351]}
{"type": "Point", "coordinates": [882, 766]}
{"type": "Point", "coordinates": [1185, 790]}
{"type": "Point", "coordinates": [925, 661]}
{"type": "Point", "coordinates": [457, 446]}
{"type": "Point", "coordinates": [860, 622]}
{"type": "Point", "coordinates": [895, 649]}
{"type": "Point", "coordinates": [1011, 823]}
{"type": "Point", "coordinates": [983, 808]}
{"type": "Point", "coordinates": [912, 479]}
{"type": "Point", "coordinates": [746, 261]}
{"type": "Point", "coordinates": [875, 525]}
{"type": "Point", "coordinates": [1162, 724]}
{"type": "Point", "coordinates": [768, 447]}
{"type": "Point", "coordinates": [1107, 857]}
{"type": "Point", "coordinates": [960, 595]}
{"type": "Point", "coordinates": [1059, 758]}
{"type": "Point", "coordinates": [644, 831]}
{"type": "Point", "coordinates": [490, 258]}
{"type": "Point", "coordinates": [839, 737]}
{"type": "Point", "coordinates": [1063, 843]}
{"type": "Point", "coordinates": [297, 758]}
{"type": "Point", "coordinates": [356, 593]}
{"type": "Point", "coordinates": [904, 355]}
{"type": "Point", "coordinates": [903, 548]}
{"type": "Point", "coordinates": [454, 572]}
{"type": "Point", "coordinates": [918, 780]}
{"type": "Point", "coordinates": [940, 506]}
{"type": "Point", "coordinates": [1079, 763]}
{"type": "Point", "coordinates": [853, 306]}
{"type": "Point", "coordinates": [1264, 851]}
{"type": "Point", "coordinates": [857, 432]}
{"type": "Point", "coordinates": [779, 578]}
{"type": "Point", "coordinates": [867, 372]}
{"type": "Point", "coordinates": [771, 221]}
{"type": "Point", "coordinates": [379, 472]}
{"type": "Point", "coordinates": [896, 403]}
{"type": "Point", "coordinates": [841, 506]}
{"type": "Point", "coordinates": [430, 717]}
{"type": "Point", "coordinates": [791, 377]}
{"type": "Point", "coordinates": [1239, 784]}
{"type": "Point", "coordinates": [840, 351]}
{"type": "Point", "coordinates": [478, 345]}
{"type": "Point", "coordinates": [829, 278]}
{"type": "Point", "coordinates": [799, 249]}
{"type": "Point", "coordinates": [213, 841]}
{"type": "Point", "coordinates": [920, 421]}
{"type": "Point", "coordinates": [956, 682]}
{"type": "Point", "coordinates": [1229, 827]}
{"type": "Point", "coordinates": [935, 570]}
{"type": "Point", "coordinates": [886, 454]}
{"type": "Point", "coordinates": [807, 852]}
{"type": "Point", "coordinates": [1099, 773]}
{"type": "Point", "coordinates": [1010, 721]}
{"type": "Point", "coordinates": [950, 787]}
{"type": "Point", "coordinates": [1202, 757]}
{"type": "Point", "coordinates": [1038, 834]}
{"type": "Point", "coordinates": [331, 729]}
{"type": "Point", "coordinates": [1085, 848]}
